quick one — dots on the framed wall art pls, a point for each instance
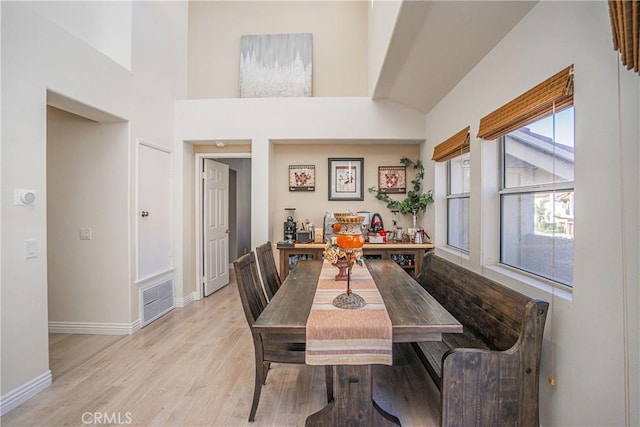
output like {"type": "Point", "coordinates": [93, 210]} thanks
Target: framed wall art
{"type": "Point", "coordinates": [276, 65]}
{"type": "Point", "coordinates": [392, 179]}
{"type": "Point", "coordinates": [302, 178]}
{"type": "Point", "coordinates": [346, 178]}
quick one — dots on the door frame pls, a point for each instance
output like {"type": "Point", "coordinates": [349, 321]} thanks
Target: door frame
{"type": "Point", "coordinates": [199, 192]}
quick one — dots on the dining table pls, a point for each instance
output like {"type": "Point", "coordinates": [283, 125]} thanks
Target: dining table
{"type": "Point", "coordinates": [415, 317]}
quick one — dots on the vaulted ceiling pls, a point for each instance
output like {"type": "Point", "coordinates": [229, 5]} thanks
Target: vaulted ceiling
{"type": "Point", "coordinates": [436, 43]}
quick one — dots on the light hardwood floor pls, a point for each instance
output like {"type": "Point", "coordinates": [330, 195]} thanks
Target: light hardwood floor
{"type": "Point", "coordinates": [194, 367]}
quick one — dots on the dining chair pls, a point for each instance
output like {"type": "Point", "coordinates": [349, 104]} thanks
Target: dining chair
{"type": "Point", "coordinates": [272, 347]}
{"type": "Point", "coordinates": [268, 271]}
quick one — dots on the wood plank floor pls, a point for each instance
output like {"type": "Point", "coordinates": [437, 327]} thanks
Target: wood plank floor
{"type": "Point", "coordinates": [194, 367]}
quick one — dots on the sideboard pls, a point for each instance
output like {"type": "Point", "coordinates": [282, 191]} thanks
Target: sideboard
{"type": "Point", "coordinates": [407, 255]}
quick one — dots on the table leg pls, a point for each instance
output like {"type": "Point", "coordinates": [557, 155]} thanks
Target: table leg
{"type": "Point", "coordinates": [353, 403]}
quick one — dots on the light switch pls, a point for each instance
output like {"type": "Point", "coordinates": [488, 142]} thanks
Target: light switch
{"type": "Point", "coordinates": [30, 248]}
{"type": "Point", "coordinates": [85, 234]}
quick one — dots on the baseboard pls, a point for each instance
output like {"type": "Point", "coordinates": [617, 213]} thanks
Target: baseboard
{"type": "Point", "coordinates": [93, 328]}
{"type": "Point", "coordinates": [21, 394]}
{"type": "Point", "coordinates": [183, 302]}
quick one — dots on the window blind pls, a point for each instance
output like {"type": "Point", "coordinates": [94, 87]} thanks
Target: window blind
{"type": "Point", "coordinates": [553, 94]}
{"type": "Point", "coordinates": [625, 26]}
{"type": "Point", "coordinates": [452, 147]}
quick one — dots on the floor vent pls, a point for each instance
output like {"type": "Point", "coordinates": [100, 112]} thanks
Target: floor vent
{"type": "Point", "coordinates": [157, 300]}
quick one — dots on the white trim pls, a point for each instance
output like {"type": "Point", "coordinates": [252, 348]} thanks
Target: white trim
{"type": "Point", "coordinates": [539, 188]}
{"type": "Point", "coordinates": [453, 254]}
{"type": "Point", "coordinates": [156, 277]}
{"type": "Point", "coordinates": [513, 277]}
{"type": "Point", "coordinates": [153, 145]}
{"type": "Point", "coordinates": [183, 302]}
{"type": "Point", "coordinates": [199, 158]}
{"type": "Point", "coordinates": [94, 328]}
{"type": "Point", "coordinates": [214, 156]}
{"type": "Point", "coordinates": [26, 391]}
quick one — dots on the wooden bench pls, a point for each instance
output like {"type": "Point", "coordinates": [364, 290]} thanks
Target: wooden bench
{"type": "Point", "coordinates": [488, 375]}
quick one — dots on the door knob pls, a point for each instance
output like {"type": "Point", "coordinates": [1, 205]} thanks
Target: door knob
{"type": "Point", "coordinates": [144, 214]}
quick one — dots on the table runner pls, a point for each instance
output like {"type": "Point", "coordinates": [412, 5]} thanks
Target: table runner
{"type": "Point", "coordinates": [338, 336]}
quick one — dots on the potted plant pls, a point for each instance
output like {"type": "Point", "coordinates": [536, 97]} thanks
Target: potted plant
{"type": "Point", "coordinates": [416, 201]}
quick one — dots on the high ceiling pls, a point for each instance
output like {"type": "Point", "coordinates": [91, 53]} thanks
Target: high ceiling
{"type": "Point", "coordinates": [436, 43]}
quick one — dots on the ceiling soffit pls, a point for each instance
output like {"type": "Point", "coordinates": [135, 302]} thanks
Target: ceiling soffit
{"type": "Point", "coordinates": [436, 43]}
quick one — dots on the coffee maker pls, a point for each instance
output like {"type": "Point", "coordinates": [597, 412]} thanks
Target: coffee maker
{"type": "Point", "coordinates": [290, 225]}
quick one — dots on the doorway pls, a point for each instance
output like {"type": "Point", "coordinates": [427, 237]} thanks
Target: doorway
{"type": "Point", "coordinates": [239, 211]}
{"type": "Point", "coordinates": [87, 233]}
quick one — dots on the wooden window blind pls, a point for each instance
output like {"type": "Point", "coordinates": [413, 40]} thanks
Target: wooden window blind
{"type": "Point", "coordinates": [625, 25]}
{"type": "Point", "coordinates": [553, 94]}
{"type": "Point", "coordinates": [452, 147]}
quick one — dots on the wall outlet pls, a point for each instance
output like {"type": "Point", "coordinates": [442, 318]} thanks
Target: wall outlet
{"type": "Point", "coordinates": [85, 234]}
{"type": "Point", "coordinates": [30, 248]}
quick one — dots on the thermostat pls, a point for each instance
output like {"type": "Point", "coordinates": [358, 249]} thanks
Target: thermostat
{"type": "Point", "coordinates": [24, 197]}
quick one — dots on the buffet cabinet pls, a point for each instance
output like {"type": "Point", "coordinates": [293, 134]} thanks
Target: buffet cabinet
{"type": "Point", "coordinates": [407, 255]}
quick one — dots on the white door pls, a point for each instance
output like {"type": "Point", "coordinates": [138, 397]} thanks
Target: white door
{"type": "Point", "coordinates": [215, 226]}
{"type": "Point", "coordinates": [154, 212]}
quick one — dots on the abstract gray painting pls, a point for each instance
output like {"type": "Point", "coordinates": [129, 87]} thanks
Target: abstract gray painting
{"type": "Point", "coordinates": [275, 65]}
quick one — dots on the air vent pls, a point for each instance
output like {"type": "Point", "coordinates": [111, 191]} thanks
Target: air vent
{"type": "Point", "coordinates": [157, 300]}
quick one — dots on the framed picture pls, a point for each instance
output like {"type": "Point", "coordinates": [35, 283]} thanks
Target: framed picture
{"type": "Point", "coordinates": [392, 179]}
{"type": "Point", "coordinates": [346, 178]}
{"type": "Point", "coordinates": [302, 178]}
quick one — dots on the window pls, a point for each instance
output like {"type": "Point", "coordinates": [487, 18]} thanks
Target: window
{"type": "Point", "coordinates": [537, 197]}
{"type": "Point", "coordinates": [458, 181]}
{"type": "Point", "coordinates": [455, 151]}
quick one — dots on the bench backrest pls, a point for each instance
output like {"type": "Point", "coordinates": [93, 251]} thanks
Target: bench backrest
{"type": "Point", "coordinates": [492, 312]}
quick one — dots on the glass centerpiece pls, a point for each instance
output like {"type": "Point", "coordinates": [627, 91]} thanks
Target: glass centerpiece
{"type": "Point", "coordinates": [350, 241]}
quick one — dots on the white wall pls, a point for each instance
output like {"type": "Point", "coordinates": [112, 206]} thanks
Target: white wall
{"type": "Point", "coordinates": [339, 31]}
{"type": "Point", "coordinates": [38, 55]}
{"type": "Point", "coordinates": [584, 338]}
{"type": "Point", "coordinates": [382, 21]}
{"type": "Point", "coordinates": [105, 25]}
{"type": "Point", "coordinates": [89, 193]}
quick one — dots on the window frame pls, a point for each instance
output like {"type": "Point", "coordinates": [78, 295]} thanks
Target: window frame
{"type": "Point", "coordinates": [553, 187]}
{"type": "Point", "coordinates": [457, 196]}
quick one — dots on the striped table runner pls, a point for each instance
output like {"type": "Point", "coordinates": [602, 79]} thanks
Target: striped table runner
{"type": "Point", "coordinates": [338, 336]}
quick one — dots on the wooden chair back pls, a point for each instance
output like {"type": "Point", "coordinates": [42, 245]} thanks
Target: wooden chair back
{"type": "Point", "coordinates": [251, 294]}
{"type": "Point", "coordinates": [268, 270]}
{"type": "Point", "coordinates": [271, 347]}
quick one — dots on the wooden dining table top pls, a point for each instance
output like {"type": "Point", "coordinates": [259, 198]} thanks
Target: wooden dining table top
{"type": "Point", "coordinates": [415, 315]}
